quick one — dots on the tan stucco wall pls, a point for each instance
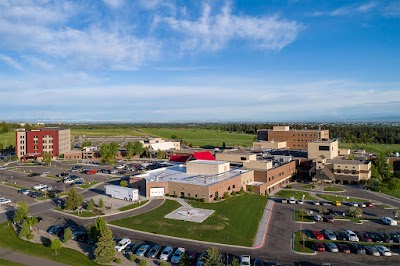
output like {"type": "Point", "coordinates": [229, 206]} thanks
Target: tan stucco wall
{"type": "Point", "coordinates": [269, 145]}
{"type": "Point", "coordinates": [314, 152]}
{"type": "Point", "coordinates": [344, 152]}
{"type": "Point", "coordinates": [258, 165]}
{"type": "Point", "coordinates": [235, 157]}
{"type": "Point", "coordinates": [193, 167]}
{"type": "Point", "coordinates": [64, 141]}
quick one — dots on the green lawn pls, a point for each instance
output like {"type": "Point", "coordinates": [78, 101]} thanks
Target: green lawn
{"type": "Point", "coordinates": [340, 198]}
{"type": "Point", "coordinates": [106, 132]}
{"type": "Point", "coordinates": [10, 240]}
{"type": "Point", "coordinates": [389, 191]}
{"type": "Point", "coordinates": [84, 214]}
{"type": "Point", "coordinates": [132, 206]}
{"type": "Point", "coordinates": [372, 148]}
{"type": "Point", "coordinates": [233, 221]}
{"type": "Point", "coordinates": [87, 185]}
{"type": "Point", "coordinates": [4, 262]}
{"type": "Point", "coordinates": [202, 137]}
{"type": "Point", "coordinates": [298, 244]}
{"type": "Point", "coordinates": [333, 189]}
{"type": "Point", "coordinates": [8, 138]}
{"type": "Point", "coordinates": [287, 193]}
{"type": "Point", "coordinates": [300, 216]}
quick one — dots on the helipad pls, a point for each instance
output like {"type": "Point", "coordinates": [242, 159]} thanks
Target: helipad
{"type": "Point", "coordinates": [190, 214]}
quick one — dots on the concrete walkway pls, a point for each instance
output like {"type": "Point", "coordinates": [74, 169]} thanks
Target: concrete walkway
{"type": "Point", "coordinates": [25, 259]}
{"type": "Point", "coordinates": [181, 202]}
{"type": "Point", "coordinates": [263, 227]}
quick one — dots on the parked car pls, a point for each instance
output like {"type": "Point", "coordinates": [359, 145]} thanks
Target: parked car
{"type": "Point", "coordinates": [300, 201]}
{"type": "Point", "coordinates": [357, 248]}
{"type": "Point", "coordinates": [131, 249]}
{"type": "Point", "coordinates": [244, 260]}
{"type": "Point", "coordinates": [324, 203]}
{"type": "Point", "coordinates": [363, 237]}
{"type": "Point", "coordinates": [369, 204]}
{"type": "Point", "coordinates": [318, 235]}
{"type": "Point", "coordinates": [376, 238]}
{"type": "Point", "coordinates": [343, 248]}
{"type": "Point", "coordinates": [200, 259]}
{"type": "Point", "coordinates": [24, 191]}
{"type": "Point", "coordinates": [371, 250]}
{"type": "Point", "coordinates": [336, 203]}
{"type": "Point", "coordinates": [57, 230]}
{"type": "Point", "coordinates": [3, 168]}
{"type": "Point", "coordinates": [292, 200]}
{"type": "Point", "coordinates": [153, 252]}
{"type": "Point", "coordinates": [341, 236]}
{"type": "Point", "coordinates": [319, 246]}
{"type": "Point", "coordinates": [284, 200]}
{"type": "Point", "coordinates": [384, 251]}
{"type": "Point", "coordinates": [122, 244]}
{"type": "Point", "coordinates": [177, 255]}
{"type": "Point", "coordinates": [34, 174]}
{"type": "Point", "coordinates": [385, 237]}
{"type": "Point", "coordinates": [317, 218]}
{"type": "Point", "coordinates": [4, 201]}
{"type": "Point", "coordinates": [395, 236]}
{"type": "Point", "coordinates": [388, 221]}
{"type": "Point", "coordinates": [362, 205]}
{"type": "Point", "coordinates": [35, 194]}
{"type": "Point", "coordinates": [166, 253]}
{"type": "Point", "coordinates": [351, 236]}
{"type": "Point", "coordinates": [258, 262]}
{"type": "Point", "coordinates": [142, 250]}
{"type": "Point", "coordinates": [328, 218]}
{"type": "Point", "coordinates": [329, 235]}
{"type": "Point", "coordinates": [68, 181]}
{"type": "Point", "coordinates": [316, 202]}
{"type": "Point", "coordinates": [331, 247]}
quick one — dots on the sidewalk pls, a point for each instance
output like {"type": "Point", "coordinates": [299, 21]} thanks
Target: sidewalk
{"type": "Point", "coordinates": [25, 259]}
{"type": "Point", "coordinates": [263, 227]}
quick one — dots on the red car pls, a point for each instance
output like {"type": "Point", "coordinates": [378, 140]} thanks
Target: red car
{"type": "Point", "coordinates": [318, 235]}
{"type": "Point", "coordinates": [369, 204]}
{"type": "Point", "coordinates": [343, 248]}
{"type": "Point", "coordinates": [319, 246]}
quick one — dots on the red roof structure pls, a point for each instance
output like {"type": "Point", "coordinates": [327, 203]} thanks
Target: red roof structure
{"type": "Point", "coordinates": [201, 155]}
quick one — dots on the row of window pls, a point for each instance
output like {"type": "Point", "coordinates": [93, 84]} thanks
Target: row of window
{"type": "Point", "coordinates": [304, 135]}
{"type": "Point", "coordinates": [216, 193]}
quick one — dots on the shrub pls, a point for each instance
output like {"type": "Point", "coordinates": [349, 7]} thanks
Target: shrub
{"type": "Point", "coordinates": [163, 263]}
{"type": "Point", "coordinates": [132, 257]}
{"type": "Point", "coordinates": [118, 260]}
{"type": "Point", "coordinates": [30, 236]}
{"type": "Point", "coordinates": [167, 194]}
{"type": "Point", "coordinates": [234, 193]}
{"type": "Point", "coordinates": [98, 211]}
{"type": "Point", "coordinates": [142, 263]}
{"type": "Point", "coordinates": [226, 195]}
{"type": "Point", "coordinates": [288, 186]}
{"type": "Point", "coordinates": [217, 198]}
{"type": "Point", "coordinates": [202, 200]}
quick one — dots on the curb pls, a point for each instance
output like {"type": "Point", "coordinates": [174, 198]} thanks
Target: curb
{"type": "Point", "coordinates": [301, 253]}
{"type": "Point", "coordinates": [266, 226]}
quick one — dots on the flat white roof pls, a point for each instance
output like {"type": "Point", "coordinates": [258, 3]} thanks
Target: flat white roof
{"type": "Point", "coordinates": [208, 162]}
{"type": "Point", "coordinates": [178, 174]}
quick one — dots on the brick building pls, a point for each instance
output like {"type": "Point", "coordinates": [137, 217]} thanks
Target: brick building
{"type": "Point", "coordinates": [295, 139]}
{"type": "Point", "coordinates": [34, 143]}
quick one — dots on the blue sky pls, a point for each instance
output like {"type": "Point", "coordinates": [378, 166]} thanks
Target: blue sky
{"type": "Point", "coordinates": [164, 61]}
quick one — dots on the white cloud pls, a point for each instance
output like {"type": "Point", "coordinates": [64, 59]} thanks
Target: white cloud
{"type": "Point", "coordinates": [114, 3]}
{"type": "Point", "coordinates": [347, 10]}
{"type": "Point", "coordinates": [213, 31]}
{"type": "Point", "coordinates": [367, 7]}
{"type": "Point", "coordinates": [11, 62]}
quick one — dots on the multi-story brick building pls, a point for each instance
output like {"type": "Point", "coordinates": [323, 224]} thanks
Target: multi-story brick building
{"type": "Point", "coordinates": [36, 142]}
{"type": "Point", "coordinates": [295, 139]}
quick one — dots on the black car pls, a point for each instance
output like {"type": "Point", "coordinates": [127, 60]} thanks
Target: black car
{"type": "Point", "coordinates": [35, 194]}
{"type": "Point", "coordinates": [62, 175]}
{"type": "Point", "coordinates": [395, 236]}
{"type": "Point", "coordinates": [375, 237]}
{"type": "Point", "coordinates": [341, 236]}
{"type": "Point", "coordinates": [34, 174]}
{"type": "Point", "coordinates": [357, 248]}
{"type": "Point", "coordinates": [385, 237]}
{"type": "Point", "coordinates": [57, 230]}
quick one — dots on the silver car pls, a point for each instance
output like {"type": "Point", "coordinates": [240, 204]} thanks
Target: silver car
{"type": "Point", "coordinates": [371, 250]}
{"type": "Point", "coordinates": [330, 246]}
{"type": "Point", "coordinates": [329, 235]}
{"type": "Point", "coordinates": [153, 252]}
{"type": "Point", "coordinates": [142, 250]}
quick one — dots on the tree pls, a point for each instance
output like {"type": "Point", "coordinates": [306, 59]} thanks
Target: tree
{"type": "Point", "coordinates": [160, 154]}
{"type": "Point", "coordinates": [303, 237]}
{"type": "Point", "coordinates": [90, 205]}
{"type": "Point", "coordinates": [123, 183]}
{"type": "Point", "coordinates": [56, 245]}
{"type": "Point", "coordinates": [21, 212]}
{"type": "Point", "coordinates": [32, 220]}
{"type": "Point", "coordinates": [104, 153]}
{"type": "Point", "coordinates": [173, 136]}
{"type": "Point", "coordinates": [74, 200]}
{"type": "Point", "coordinates": [129, 150]}
{"type": "Point", "coordinates": [97, 229]}
{"type": "Point", "coordinates": [302, 211]}
{"type": "Point", "coordinates": [24, 232]}
{"type": "Point", "coordinates": [382, 166]}
{"type": "Point", "coordinates": [355, 212]}
{"type": "Point", "coordinates": [86, 143]}
{"type": "Point", "coordinates": [101, 203]}
{"type": "Point", "coordinates": [138, 148]}
{"type": "Point", "coordinates": [105, 249]}
{"type": "Point", "coordinates": [47, 158]}
{"type": "Point", "coordinates": [223, 145]}
{"type": "Point", "coordinates": [212, 257]}
{"type": "Point", "coordinates": [235, 262]}
{"type": "Point", "coordinates": [67, 235]}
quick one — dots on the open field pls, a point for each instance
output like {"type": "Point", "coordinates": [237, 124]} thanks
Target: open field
{"type": "Point", "coordinates": [287, 193]}
{"type": "Point", "coordinates": [202, 137]}
{"type": "Point", "coordinates": [232, 223]}
{"type": "Point", "coordinates": [8, 138]}
{"type": "Point", "coordinates": [106, 132]}
{"type": "Point", "coordinates": [390, 191]}
{"type": "Point", "coordinates": [10, 240]}
{"type": "Point", "coordinates": [373, 148]}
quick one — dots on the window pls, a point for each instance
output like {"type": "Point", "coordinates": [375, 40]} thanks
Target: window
{"type": "Point", "coordinates": [233, 186]}
{"type": "Point", "coordinates": [324, 148]}
{"type": "Point", "coordinates": [243, 158]}
{"type": "Point", "coordinates": [229, 188]}
{"type": "Point", "coordinates": [195, 195]}
{"type": "Point", "coordinates": [216, 193]}
{"type": "Point", "coordinates": [210, 196]}
{"type": "Point", "coordinates": [269, 179]}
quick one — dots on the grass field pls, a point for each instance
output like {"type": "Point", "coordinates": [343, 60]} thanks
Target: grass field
{"type": "Point", "coordinates": [308, 186]}
{"type": "Point", "coordinates": [8, 138]}
{"type": "Point", "coordinates": [385, 188]}
{"type": "Point", "coordinates": [300, 216]}
{"type": "Point", "coordinates": [298, 244]}
{"type": "Point", "coordinates": [287, 193]}
{"type": "Point", "coordinates": [372, 148]}
{"type": "Point", "coordinates": [4, 262]}
{"type": "Point", "coordinates": [233, 222]}
{"type": "Point", "coordinates": [107, 132]}
{"type": "Point", "coordinates": [68, 256]}
{"type": "Point", "coordinates": [340, 198]}
{"type": "Point", "coordinates": [202, 137]}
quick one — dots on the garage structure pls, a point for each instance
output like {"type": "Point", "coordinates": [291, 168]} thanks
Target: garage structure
{"type": "Point", "coordinates": [157, 192]}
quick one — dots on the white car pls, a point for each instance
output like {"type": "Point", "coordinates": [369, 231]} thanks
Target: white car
{"type": "Point", "coordinates": [244, 260]}
{"type": "Point", "coordinates": [316, 202]}
{"type": "Point", "coordinates": [122, 244]}
{"type": "Point", "coordinates": [4, 201]}
{"type": "Point", "coordinates": [318, 218]}
{"type": "Point", "coordinates": [39, 186]}
{"type": "Point", "coordinates": [363, 205]}
{"type": "Point", "coordinates": [351, 236]}
{"type": "Point", "coordinates": [121, 166]}
{"type": "Point", "coordinates": [166, 253]}
{"type": "Point", "coordinates": [384, 251]}
{"type": "Point", "coordinates": [388, 221]}
{"type": "Point", "coordinates": [177, 256]}
{"type": "Point", "coordinates": [68, 181]}
{"type": "Point", "coordinates": [3, 168]}
{"type": "Point", "coordinates": [354, 204]}
{"type": "Point", "coordinates": [300, 201]}
{"type": "Point", "coordinates": [292, 200]}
